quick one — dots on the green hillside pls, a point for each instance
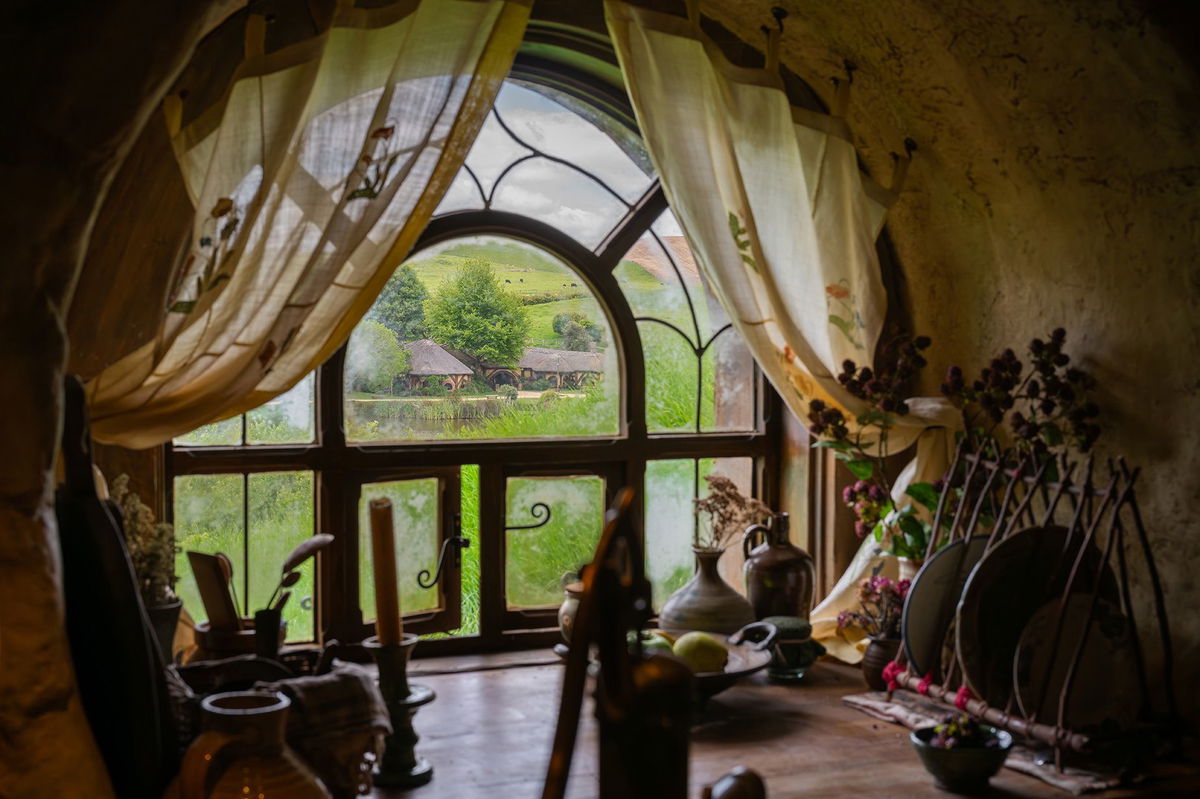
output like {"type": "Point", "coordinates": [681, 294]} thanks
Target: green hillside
{"type": "Point", "coordinates": [527, 271]}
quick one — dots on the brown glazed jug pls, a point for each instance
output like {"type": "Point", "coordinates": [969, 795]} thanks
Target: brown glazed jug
{"type": "Point", "coordinates": [242, 752]}
{"type": "Point", "coordinates": [779, 575]}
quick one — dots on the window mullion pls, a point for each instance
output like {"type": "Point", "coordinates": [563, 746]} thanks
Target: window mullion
{"type": "Point", "coordinates": [245, 542]}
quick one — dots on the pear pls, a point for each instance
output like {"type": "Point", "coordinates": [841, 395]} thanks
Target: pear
{"type": "Point", "coordinates": [701, 652]}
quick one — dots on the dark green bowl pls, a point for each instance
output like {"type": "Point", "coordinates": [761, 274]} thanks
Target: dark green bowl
{"type": "Point", "coordinates": [965, 769]}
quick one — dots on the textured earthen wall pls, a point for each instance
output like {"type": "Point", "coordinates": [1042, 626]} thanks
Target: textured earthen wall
{"type": "Point", "coordinates": [82, 80]}
{"type": "Point", "coordinates": [1057, 183]}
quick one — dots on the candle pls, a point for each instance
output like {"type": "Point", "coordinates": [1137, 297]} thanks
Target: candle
{"type": "Point", "coordinates": [388, 626]}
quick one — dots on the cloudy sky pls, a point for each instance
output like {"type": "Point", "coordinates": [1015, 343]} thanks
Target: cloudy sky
{"type": "Point", "coordinates": [542, 189]}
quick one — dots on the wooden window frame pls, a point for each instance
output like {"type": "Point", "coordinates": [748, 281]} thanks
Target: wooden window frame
{"type": "Point", "coordinates": [340, 467]}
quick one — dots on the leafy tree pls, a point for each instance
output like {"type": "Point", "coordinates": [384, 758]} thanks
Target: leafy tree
{"type": "Point", "coordinates": [401, 306]}
{"type": "Point", "coordinates": [472, 314]}
{"type": "Point", "coordinates": [374, 358]}
{"type": "Point", "coordinates": [577, 331]}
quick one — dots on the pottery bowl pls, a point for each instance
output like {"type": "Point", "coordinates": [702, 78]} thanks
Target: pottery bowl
{"type": "Point", "coordinates": [964, 769]}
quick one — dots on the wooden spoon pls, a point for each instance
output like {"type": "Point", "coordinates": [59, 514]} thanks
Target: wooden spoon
{"type": "Point", "coordinates": [227, 570]}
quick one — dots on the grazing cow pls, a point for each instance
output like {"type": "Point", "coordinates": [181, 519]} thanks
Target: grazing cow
{"type": "Point", "coordinates": [506, 280]}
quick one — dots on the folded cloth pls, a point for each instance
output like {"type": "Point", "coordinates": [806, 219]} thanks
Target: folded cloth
{"type": "Point", "coordinates": [915, 711]}
{"type": "Point", "coordinates": [346, 699]}
{"type": "Point", "coordinates": [337, 723]}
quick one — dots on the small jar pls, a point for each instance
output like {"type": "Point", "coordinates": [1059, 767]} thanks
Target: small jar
{"type": "Point", "coordinates": [572, 593]}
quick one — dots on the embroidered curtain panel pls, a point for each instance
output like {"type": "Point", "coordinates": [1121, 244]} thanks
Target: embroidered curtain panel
{"type": "Point", "coordinates": [783, 225]}
{"type": "Point", "coordinates": [312, 177]}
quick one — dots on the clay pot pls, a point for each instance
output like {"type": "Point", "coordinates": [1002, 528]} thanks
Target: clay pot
{"type": "Point", "coordinates": [706, 602]}
{"type": "Point", "coordinates": [779, 575]}
{"type": "Point", "coordinates": [880, 652]}
{"type": "Point", "coordinates": [242, 752]}
{"type": "Point", "coordinates": [572, 593]}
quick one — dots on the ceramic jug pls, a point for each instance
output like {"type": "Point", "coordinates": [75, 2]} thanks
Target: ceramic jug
{"type": "Point", "coordinates": [779, 575]}
{"type": "Point", "coordinates": [242, 752]}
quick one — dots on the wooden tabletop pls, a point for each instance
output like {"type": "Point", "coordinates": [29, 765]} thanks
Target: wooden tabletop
{"type": "Point", "coordinates": [488, 734]}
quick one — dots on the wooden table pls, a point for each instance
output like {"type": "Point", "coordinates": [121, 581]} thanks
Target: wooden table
{"type": "Point", "coordinates": [488, 735]}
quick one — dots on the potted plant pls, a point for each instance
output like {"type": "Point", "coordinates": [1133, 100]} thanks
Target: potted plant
{"type": "Point", "coordinates": [706, 602]}
{"type": "Point", "coordinates": [881, 603]}
{"type": "Point", "coordinates": [151, 547]}
{"type": "Point", "coordinates": [960, 753]}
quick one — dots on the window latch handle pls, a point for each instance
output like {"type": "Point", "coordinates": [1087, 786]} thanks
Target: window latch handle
{"type": "Point", "coordinates": [458, 542]}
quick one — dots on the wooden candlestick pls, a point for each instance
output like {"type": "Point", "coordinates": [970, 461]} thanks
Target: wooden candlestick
{"type": "Point", "coordinates": [388, 627]}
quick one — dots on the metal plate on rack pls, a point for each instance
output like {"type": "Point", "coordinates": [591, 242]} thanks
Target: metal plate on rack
{"type": "Point", "coordinates": [932, 598]}
{"type": "Point", "coordinates": [1104, 687]}
{"type": "Point", "coordinates": [1004, 590]}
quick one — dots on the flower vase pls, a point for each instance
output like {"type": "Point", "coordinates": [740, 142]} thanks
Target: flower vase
{"type": "Point", "coordinates": [880, 652]}
{"type": "Point", "coordinates": [706, 602]}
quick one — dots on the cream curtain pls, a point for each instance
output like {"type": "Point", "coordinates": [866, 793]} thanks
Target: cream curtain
{"type": "Point", "coordinates": [782, 222]}
{"type": "Point", "coordinates": [311, 179]}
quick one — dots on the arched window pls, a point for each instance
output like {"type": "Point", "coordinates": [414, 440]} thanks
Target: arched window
{"type": "Point", "coordinates": [549, 340]}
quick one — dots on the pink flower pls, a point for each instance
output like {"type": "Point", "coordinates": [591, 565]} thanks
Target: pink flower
{"type": "Point", "coordinates": [890, 672]}
{"type": "Point", "coordinates": [923, 684]}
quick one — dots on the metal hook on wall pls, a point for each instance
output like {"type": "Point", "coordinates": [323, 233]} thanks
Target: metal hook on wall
{"type": "Point", "coordinates": [773, 38]}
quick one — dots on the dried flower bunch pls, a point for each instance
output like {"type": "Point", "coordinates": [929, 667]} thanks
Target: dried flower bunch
{"type": "Point", "coordinates": [881, 601]}
{"type": "Point", "coordinates": [863, 451]}
{"type": "Point", "coordinates": [1047, 406]}
{"type": "Point", "coordinates": [729, 513]}
{"type": "Point", "coordinates": [151, 545]}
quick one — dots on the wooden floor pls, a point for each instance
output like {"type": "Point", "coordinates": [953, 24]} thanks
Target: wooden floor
{"type": "Point", "coordinates": [488, 734]}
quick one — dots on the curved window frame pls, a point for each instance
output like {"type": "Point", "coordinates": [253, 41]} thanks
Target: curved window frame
{"type": "Point", "coordinates": [341, 468]}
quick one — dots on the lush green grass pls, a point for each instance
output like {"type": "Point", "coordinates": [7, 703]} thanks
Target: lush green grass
{"type": "Point", "coordinates": [541, 319]}
{"type": "Point", "coordinates": [537, 559]}
{"type": "Point", "coordinates": [593, 414]}
{"type": "Point", "coordinates": [208, 518]}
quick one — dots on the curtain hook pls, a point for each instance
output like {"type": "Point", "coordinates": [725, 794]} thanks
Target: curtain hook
{"type": "Point", "coordinates": [780, 13]}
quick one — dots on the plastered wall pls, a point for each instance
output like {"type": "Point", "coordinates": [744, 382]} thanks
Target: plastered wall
{"type": "Point", "coordinates": [1057, 183]}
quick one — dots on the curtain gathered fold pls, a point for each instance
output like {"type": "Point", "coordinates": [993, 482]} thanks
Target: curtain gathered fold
{"type": "Point", "coordinates": [311, 179]}
{"type": "Point", "coordinates": [783, 224]}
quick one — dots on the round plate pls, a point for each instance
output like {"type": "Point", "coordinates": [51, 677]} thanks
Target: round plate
{"type": "Point", "coordinates": [1104, 687]}
{"type": "Point", "coordinates": [1008, 585]}
{"type": "Point", "coordinates": [929, 608]}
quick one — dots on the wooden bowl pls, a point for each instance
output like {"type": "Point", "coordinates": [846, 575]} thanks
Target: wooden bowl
{"type": "Point", "coordinates": [745, 658]}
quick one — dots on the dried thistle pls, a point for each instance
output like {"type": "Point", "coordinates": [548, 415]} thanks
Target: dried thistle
{"type": "Point", "coordinates": [729, 513]}
{"type": "Point", "coordinates": [151, 545]}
